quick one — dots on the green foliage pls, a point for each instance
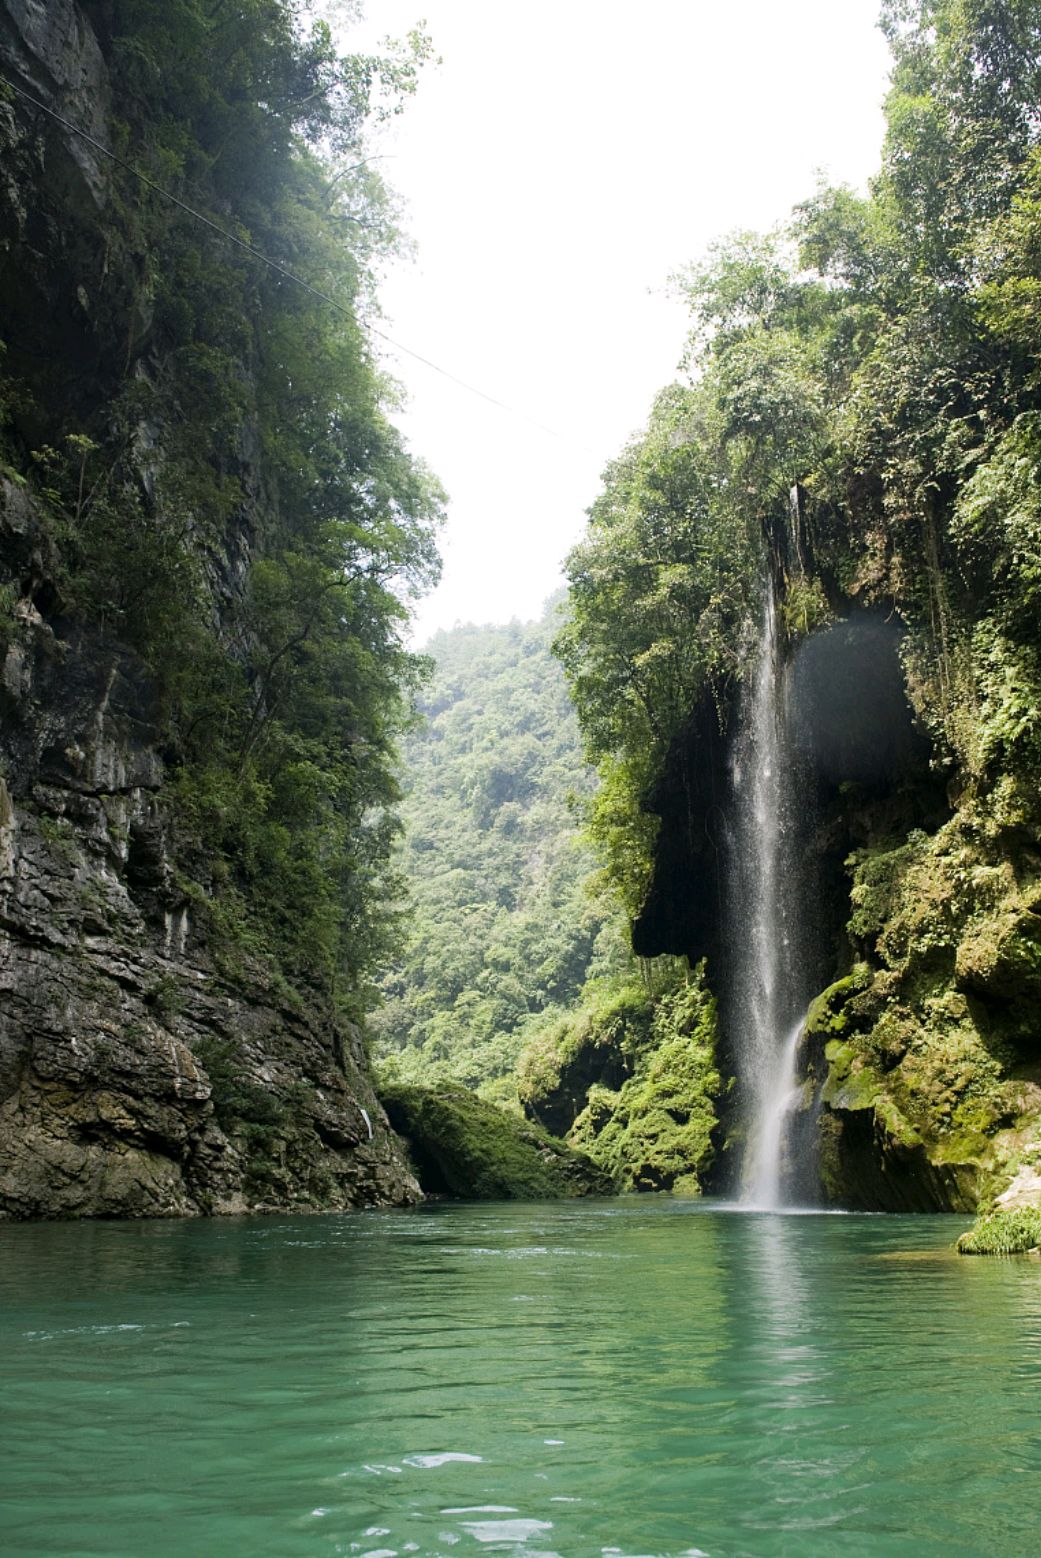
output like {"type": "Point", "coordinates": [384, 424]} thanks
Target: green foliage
{"type": "Point", "coordinates": [656, 588]}
{"type": "Point", "coordinates": [961, 116]}
{"type": "Point", "coordinates": [659, 592]}
{"type": "Point", "coordinates": [1005, 731]}
{"type": "Point", "coordinates": [1003, 1233]}
{"type": "Point", "coordinates": [247, 82]}
{"type": "Point", "coordinates": [505, 923]}
{"type": "Point", "coordinates": [879, 357]}
{"type": "Point", "coordinates": [608, 1030]}
{"type": "Point", "coordinates": [233, 502]}
{"type": "Point", "coordinates": [804, 608]}
{"type": "Point", "coordinates": [464, 1147]}
{"type": "Point", "coordinates": [878, 876]}
{"type": "Point", "coordinates": [996, 525]}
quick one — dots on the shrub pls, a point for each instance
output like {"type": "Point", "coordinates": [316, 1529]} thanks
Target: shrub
{"type": "Point", "coordinates": [1003, 1233]}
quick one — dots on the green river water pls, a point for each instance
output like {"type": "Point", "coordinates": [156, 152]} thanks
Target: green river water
{"type": "Point", "coordinates": [630, 1377]}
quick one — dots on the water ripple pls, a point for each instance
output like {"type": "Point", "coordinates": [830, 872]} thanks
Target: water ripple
{"type": "Point", "coordinates": [634, 1379]}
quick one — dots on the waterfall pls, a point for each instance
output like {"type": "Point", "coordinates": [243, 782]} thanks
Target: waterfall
{"type": "Point", "coordinates": [767, 880]}
{"type": "Point", "coordinates": [764, 1185]}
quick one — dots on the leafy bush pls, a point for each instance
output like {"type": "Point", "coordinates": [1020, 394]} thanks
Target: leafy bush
{"type": "Point", "coordinates": [1003, 1233]}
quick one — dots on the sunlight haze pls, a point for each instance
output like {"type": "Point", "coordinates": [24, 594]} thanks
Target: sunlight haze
{"type": "Point", "coordinates": [556, 168]}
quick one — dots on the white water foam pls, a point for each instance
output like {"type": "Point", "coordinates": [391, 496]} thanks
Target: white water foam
{"type": "Point", "coordinates": [781, 1092]}
{"type": "Point", "coordinates": [769, 979]}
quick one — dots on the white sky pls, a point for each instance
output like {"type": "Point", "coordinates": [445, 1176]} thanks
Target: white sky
{"type": "Point", "coordinates": [562, 161]}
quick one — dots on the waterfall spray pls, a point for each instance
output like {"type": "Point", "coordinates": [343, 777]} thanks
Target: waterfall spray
{"type": "Point", "coordinates": [770, 986]}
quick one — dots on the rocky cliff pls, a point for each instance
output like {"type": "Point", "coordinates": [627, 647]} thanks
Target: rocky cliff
{"type": "Point", "coordinates": [151, 1064]}
{"type": "Point", "coordinates": [136, 1079]}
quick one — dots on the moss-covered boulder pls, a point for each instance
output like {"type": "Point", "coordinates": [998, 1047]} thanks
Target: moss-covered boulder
{"type": "Point", "coordinates": [593, 1048]}
{"type": "Point", "coordinates": [1000, 959]}
{"type": "Point", "coordinates": [655, 1132]}
{"type": "Point", "coordinates": [872, 1153]}
{"type": "Point", "coordinates": [829, 1015]}
{"type": "Point", "coordinates": [467, 1149]}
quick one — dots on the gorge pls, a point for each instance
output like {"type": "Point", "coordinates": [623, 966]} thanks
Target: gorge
{"type": "Point", "coordinates": [796, 960]}
{"type": "Point", "coordinates": [614, 971]}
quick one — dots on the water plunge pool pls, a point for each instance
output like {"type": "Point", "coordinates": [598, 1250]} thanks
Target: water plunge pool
{"type": "Point", "coordinates": [630, 1377]}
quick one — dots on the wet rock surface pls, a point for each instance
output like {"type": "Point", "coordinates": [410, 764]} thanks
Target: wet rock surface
{"type": "Point", "coordinates": [136, 1079]}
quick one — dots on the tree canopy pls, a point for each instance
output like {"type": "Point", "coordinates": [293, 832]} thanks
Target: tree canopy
{"type": "Point", "coordinates": [506, 922]}
{"type": "Point", "coordinates": [224, 489]}
{"type": "Point", "coordinates": [874, 362]}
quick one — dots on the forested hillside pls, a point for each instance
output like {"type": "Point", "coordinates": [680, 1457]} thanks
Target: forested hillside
{"type": "Point", "coordinates": [518, 979]}
{"type": "Point", "coordinates": [506, 921]}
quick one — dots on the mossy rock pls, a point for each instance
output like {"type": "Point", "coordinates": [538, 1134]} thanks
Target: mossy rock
{"type": "Point", "coordinates": [1003, 1233]}
{"type": "Point", "coordinates": [466, 1149]}
{"type": "Point", "coordinates": [872, 1159]}
{"type": "Point", "coordinates": [595, 1048]}
{"type": "Point", "coordinates": [829, 1016]}
{"type": "Point", "coordinates": [648, 1146]}
{"type": "Point", "coordinates": [655, 1131]}
{"type": "Point", "coordinates": [851, 1082]}
{"type": "Point", "coordinates": [1001, 959]}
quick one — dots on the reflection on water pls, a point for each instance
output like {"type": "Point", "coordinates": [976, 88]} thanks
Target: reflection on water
{"type": "Point", "coordinates": [628, 1378]}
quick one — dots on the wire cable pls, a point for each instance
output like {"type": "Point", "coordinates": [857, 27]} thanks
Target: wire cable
{"type": "Point", "coordinates": [264, 259]}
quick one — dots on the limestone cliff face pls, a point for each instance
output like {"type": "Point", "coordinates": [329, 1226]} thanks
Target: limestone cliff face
{"type": "Point", "coordinates": [141, 1072]}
